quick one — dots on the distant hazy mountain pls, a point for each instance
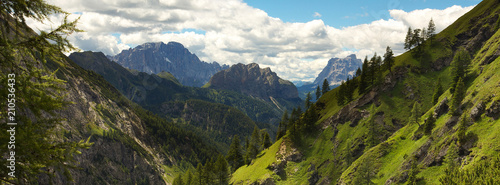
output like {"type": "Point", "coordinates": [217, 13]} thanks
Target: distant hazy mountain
{"type": "Point", "coordinates": [173, 58]}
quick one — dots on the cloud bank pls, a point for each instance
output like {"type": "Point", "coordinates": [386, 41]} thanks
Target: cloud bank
{"type": "Point", "coordinates": [231, 32]}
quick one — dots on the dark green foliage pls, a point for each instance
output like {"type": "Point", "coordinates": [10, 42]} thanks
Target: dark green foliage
{"type": "Point", "coordinates": [198, 176]}
{"type": "Point", "coordinates": [326, 87]}
{"type": "Point", "coordinates": [341, 93]}
{"type": "Point", "coordinates": [371, 139]}
{"type": "Point", "coordinates": [318, 93]}
{"type": "Point", "coordinates": [363, 173]}
{"type": "Point", "coordinates": [40, 147]}
{"type": "Point", "coordinates": [235, 154]}
{"type": "Point", "coordinates": [363, 80]}
{"type": "Point", "coordinates": [388, 59]}
{"type": "Point", "coordinates": [462, 129]}
{"type": "Point", "coordinates": [209, 173]}
{"type": "Point", "coordinates": [358, 72]}
{"type": "Point", "coordinates": [266, 141]}
{"type": "Point", "coordinates": [408, 39]}
{"type": "Point", "coordinates": [429, 124]}
{"type": "Point", "coordinates": [485, 172]}
{"type": "Point", "coordinates": [282, 125]}
{"type": "Point", "coordinates": [438, 90]}
{"type": "Point", "coordinates": [308, 100]}
{"type": "Point", "coordinates": [310, 118]}
{"type": "Point", "coordinates": [178, 180]}
{"type": "Point", "coordinates": [431, 30]}
{"type": "Point", "coordinates": [415, 114]}
{"type": "Point", "coordinates": [459, 67]}
{"type": "Point", "coordinates": [457, 97]}
{"type": "Point", "coordinates": [412, 174]}
{"type": "Point", "coordinates": [222, 171]}
{"type": "Point", "coordinates": [254, 146]}
{"type": "Point", "coordinates": [189, 177]}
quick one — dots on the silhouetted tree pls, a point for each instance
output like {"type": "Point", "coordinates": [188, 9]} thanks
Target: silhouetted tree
{"type": "Point", "coordinates": [408, 40]}
{"type": "Point", "coordinates": [388, 58]}
{"type": "Point", "coordinates": [326, 86]}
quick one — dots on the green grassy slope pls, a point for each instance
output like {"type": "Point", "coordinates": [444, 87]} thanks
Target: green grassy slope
{"type": "Point", "coordinates": [339, 151]}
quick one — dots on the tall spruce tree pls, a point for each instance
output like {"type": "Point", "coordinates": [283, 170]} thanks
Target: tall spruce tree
{"type": "Point", "coordinates": [38, 92]}
{"type": "Point", "coordinates": [438, 91]}
{"type": "Point", "coordinates": [431, 30]}
{"type": "Point", "coordinates": [308, 100]}
{"type": "Point", "coordinates": [266, 141]}
{"type": "Point", "coordinates": [388, 59]}
{"type": "Point", "coordinates": [222, 171]}
{"type": "Point", "coordinates": [459, 67]}
{"type": "Point", "coordinates": [235, 154]}
{"type": "Point", "coordinates": [341, 94]}
{"type": "Point", "coordinates": [408, 40]}
{"type": "Point", "coordinates": [457, 97]}
{"type": "Point", "coordinates": [326, 87]}
{"type": "Point", "coordinates": [364, 76]}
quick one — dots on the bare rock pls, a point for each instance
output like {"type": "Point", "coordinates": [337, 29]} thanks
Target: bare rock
{"type": "Point", "coordinates": [476, 111]}
{"type": "Point", "coordinates": [441, 108]}
{"type": "Point", "coordinates": [494, 110]}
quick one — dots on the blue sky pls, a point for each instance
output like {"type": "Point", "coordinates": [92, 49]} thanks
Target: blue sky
{"type": "Point", "coordinates": [343, 13]}
{"type": "Point", "coordinates": [294, 38]}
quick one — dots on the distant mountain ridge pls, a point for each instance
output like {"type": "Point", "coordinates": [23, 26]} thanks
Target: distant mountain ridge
{"type": "Point", "coordinates": [173, 57]}
{"type": "Point", "coordinates": [254, 81]}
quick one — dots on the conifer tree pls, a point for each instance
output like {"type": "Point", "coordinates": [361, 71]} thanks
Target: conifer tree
{"type": "Point", "coordinates": [282, 126]}
{"type": "Point", "coordinates": [408, 40]}
{"type": "Point", "coordinates": [266, 141]}
{"type": "Point", "coordinates": [438, 90]}
{"type": "Point", "coordinates": [412, 175]}
{"type": "Point", "coordinates": [222, 171]}
{"type": "Point", "coordinates": [431, 30]}
{"type": "Point", "coordinates": [178, 180]}
{"type": "Point", "coordinates": [189, 177]}
{"type": "Point", "coordinates": [235, 155]}
{"type": "Point", "coordinates": [358, 72]}
{"type": "Point", "coordinates": [459, 67]}
{"type": "Point", "coordinates": [457, 97]}
{"type": "Point", "coordinates": [341, 94]}
{"type": "Point", "coordinates": [429, 124]}
{"type": "Point", "coordinates": [415, 113]}
{"type": "Point", "coordinates": [326, 86]}
{"type": "Point", "coordinates": [23, 54]}
{"type": "Point", "coordinates": [348, 90]}
{"type": "Point", "coordinates": [308, 100]}
{"type": "Point", "coordinates": [462, 128]}
{"type": "Point", "coordinates": [199, 175]}
{"type": "Point", "coordinates": [388, 58]}
{"type": "Point", "coordinates": [364, 76]}
{"type": "Point", "coordinates": [255, 143]}
{"type": "Point", "coordinates": [318, 93]}
{"type": "Point", "coordinates": [372, 129]}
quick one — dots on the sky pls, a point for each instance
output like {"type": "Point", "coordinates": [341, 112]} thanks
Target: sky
{"type": "Point", "coordinates": [295, 38]}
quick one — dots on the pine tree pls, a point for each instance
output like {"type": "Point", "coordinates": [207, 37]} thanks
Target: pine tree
{"type": "Point", "coordinates": [408, 39]}
{"type": "Point", "coordinates": [326, 87]}
{"type": "Point", "coordinates": [372, 129]}
{"type": "Point", "coordinates": [423, 35]}
{"type": "Point", "coordinates": [415, 113]}
{"type": "Point", "coordinates": [318, 93]}
{"type": "Point", "coordinates": [462, 128]}
{"type": "Point", "coordinates": [208, 172]}
{"type": "Point", "coordinates": [178, 180]}
{"type": "Point", "coordinates": [388, 58]}
{"type": "Point", "coordinates": [235, 155]}
{"type": "Point", "coordinates": [283, 125]}
{"type": "Point", "coordinates": [341, 94]}
{"type": "Point", "coordinates": [416, 40]}
{"type": "Point", "coordinates": [431, 30]}
{"type": "Point", "coordinates": [255, 143]}
{"type": "Point", "coordinates": [429, 124]}
{"type": "Point", "coordinates": [266, 141]}
{"type": "Point", "coordinates": [199, 175]}
{"type": "Point", "coordinates": [189, 179]}
{"type": "Point", "coordinates": [457, 97]}
{"type": "Point", "coordinates": [358, 72]}
{"type": "Point", "coordinates": [363, 78]}
{"type": "Point", "coordinates": [308, 100]}
{"type": "Point", "coordinates": [438, 90]}
{"type": "Point", "coordinates": [222, 171]}
{"type": "Point", "coordinates": [459, 67]}
{"type": "Point", "coordinates": [41, 92]}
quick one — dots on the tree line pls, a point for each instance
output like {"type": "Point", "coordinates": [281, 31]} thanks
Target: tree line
{"type": "Point", "coordinates": [219, 171]}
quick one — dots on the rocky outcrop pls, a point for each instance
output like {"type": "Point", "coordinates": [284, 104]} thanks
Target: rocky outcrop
{"type": "Point", "coordinates": [253, 81]}
{"type": "Point", "coordinates": [173, 58]}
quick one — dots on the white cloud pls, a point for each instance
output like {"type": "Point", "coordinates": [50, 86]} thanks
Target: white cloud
{"type": "Point", "coordinates": [233, 32]}
{"type": "Point", "coordinates": [316, 14]}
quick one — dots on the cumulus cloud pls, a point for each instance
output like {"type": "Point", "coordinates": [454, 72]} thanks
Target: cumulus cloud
{"type": "Point", "coordinates": [233, 32]}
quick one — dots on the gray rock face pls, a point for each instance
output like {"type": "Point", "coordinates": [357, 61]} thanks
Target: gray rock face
{"type": "Point", "coordinates": [173, 58]}
{"type": "Point", "coordinates": [338, 69]}
{"type": "Point", "coordinates": [253, 81]}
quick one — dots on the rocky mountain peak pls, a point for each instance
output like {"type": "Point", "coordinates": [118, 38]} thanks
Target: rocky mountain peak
{"type": "Point", "coordinates": [254, 81]}
{"type": "Point", "coordinates": [173, 57]}
{"type": "Point", "coordinates": [339, 69]}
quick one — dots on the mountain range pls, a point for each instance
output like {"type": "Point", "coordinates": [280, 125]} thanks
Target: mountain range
{"type": "Point", "coordinates": [173, 57]}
